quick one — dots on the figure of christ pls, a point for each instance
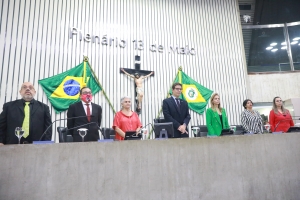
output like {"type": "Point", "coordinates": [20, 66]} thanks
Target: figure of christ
{"type": "Point", "coordinates": [139, 86]}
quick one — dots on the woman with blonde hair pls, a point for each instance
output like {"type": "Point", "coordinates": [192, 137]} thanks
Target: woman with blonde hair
{"type": "Point", "coordinates": [216, 119]}
{"type": "Point", "coordinates": [126, 120]}
{"type": "Point", "coordinates": [280, 118]}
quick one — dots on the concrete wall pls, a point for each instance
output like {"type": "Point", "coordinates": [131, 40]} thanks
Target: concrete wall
{"type": "Point", "coordinates": [235, 167]}
{"type": "Point", "coordinates": [264, 87]}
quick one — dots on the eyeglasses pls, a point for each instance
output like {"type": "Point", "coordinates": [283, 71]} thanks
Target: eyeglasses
{"type": "Point", "coordinates": [278, 100]}
{"type": "Point", "coordinates": [178, 88]}
{"type": "Point", "coordinates": [25, 87]}
{"type": "Point", "coordinates": [86, 93]}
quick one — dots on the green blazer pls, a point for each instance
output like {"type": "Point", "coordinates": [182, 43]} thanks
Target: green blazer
{"type": "Point", "coordinates": [213, 122]}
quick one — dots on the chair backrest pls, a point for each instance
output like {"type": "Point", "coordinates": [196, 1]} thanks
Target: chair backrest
{"type": "Point", "coordinates": [203, 130]}
{"type": "Point", "coordinates": [159, 120]}
{"type": "Point", "coordinates": [62, 134]}
{"type": "Point", "coordinates": [239, 130]}
{"type": "Point", "coordinates": [198, 132]}
{"type": "Point", "coordinates": [108, 133]}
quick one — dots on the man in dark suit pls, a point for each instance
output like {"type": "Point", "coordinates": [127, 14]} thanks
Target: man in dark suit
{"type": "Point", "coordinates": [25, 112]}
{"type": "Point", "coordinates": [177, 111]}
{"type": "Point", "coordinates": [91, 120]}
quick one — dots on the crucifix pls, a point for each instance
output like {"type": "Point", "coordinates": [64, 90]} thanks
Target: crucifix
{"type": "Point", "coordinates": [138, 76]}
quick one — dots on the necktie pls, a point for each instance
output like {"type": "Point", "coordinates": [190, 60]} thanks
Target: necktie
{"type": "Point", "coordinates": [88, 112]}
{"type": "Point", "coordinates": [25, 125]}
{"type": "Point", "coordinates": [177, 102]}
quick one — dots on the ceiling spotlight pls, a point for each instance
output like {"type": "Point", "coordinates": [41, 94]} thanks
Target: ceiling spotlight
{"type": "Point", "coordinates": [273, 44]}
{"type": "Point", "coordinates": [274, 50]}
{"type": "Point", "coordinates": [284, 43]}
{"type": "Point", "coordinates": [296, 38]}
{"type": "Point", "coordinates": [269, 48]}
{"type": "Point", "coordinates": [284, 47]}
{"type": "Point", "coordinates": [294, 42]}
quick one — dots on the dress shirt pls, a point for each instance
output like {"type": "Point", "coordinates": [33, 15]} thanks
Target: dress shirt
{"type": "Point", "coordinates": [85, 107]}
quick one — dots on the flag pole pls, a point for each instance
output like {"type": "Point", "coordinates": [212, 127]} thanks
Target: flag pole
{"type": "Point", "coordinates": [168, 94]}
{"type": "Point", "coordinates": [86, 59]}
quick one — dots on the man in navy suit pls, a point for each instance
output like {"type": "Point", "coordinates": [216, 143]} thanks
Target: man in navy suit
{"type": "Point", "coordinates": [177, 111]}
{"type": "Point", "coordinates": [92, 121]}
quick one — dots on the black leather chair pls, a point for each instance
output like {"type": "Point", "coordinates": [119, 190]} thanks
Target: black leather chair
{"type": "Point", "coordinates": [203, 131]}
{"type": "Point", "coordinates": [239, 130]}
{"type": "Point", "coordinates": [159, 120]}
{"type": "Point", "coordinates": [63, 135]}
{"type": "Point", "coordinates": [198, 133]}
{"type": "Point", "coordinates": [108, 133]}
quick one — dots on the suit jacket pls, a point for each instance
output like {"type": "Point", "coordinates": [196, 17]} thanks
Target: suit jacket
{"type": "Point", "coordinates": [178, 116]}
{"type": "Point", "coordinates": [77, 110]}
{"type": "Point", "coordinates": [13, 115]}
{"type": "Point", "coordinates": [213, 122]}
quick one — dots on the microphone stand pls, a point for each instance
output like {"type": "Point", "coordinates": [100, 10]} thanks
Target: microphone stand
{"type": "Point", "coordinates": [147, 125]}
{"type": "Point", "coordinates": [60, 120]}
{"type": "Point", "coordinates": [82, 126]}
{"type": "Point", "coordinates": [85, 125]}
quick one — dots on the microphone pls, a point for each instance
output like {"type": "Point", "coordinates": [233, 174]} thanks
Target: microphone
{"type": "Point", "coordinates": [99, 128]}
{"type": "Point", "coordinates": [147, 125]}
{"type": "Point", "coordinates": [60, 120]}
{"type": "Point", "coordinates": [85, 125]}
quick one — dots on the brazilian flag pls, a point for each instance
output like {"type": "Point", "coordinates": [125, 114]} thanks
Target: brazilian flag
{"type": "Point", "coordinates": [195, 94]}
{"type": "Point", "coordinates": [63, 89]}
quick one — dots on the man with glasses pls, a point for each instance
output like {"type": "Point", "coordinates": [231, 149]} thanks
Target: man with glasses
{"type": "Point", "coordinates": [84, 114]}
{"type": "Point", "coordinates": [29, 114]}
{"type": "Point", "coordinates": [176, 110]}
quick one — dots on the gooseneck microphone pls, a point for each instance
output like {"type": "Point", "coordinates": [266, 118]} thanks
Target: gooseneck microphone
{"type": "Point", "coordinates": [60, 120]}
{"type": "Point", "coordinates": [147, 125]}
{"type": "Point", "coordinates": [83, 125]}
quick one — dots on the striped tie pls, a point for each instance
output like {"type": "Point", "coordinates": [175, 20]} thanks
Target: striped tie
{"type": "Point", "coordinates": [177, 102]}
{"type": "Point", "coordinates": [25, 125]}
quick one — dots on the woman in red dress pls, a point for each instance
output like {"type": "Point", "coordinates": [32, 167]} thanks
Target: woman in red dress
{"type": "Point", "coordinates": [126, 120]}
{"type": "Point", "coordinates": [280, 118]}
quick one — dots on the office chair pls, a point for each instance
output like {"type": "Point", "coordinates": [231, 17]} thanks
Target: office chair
{"type": "Point", "coordinates": [63, 135]}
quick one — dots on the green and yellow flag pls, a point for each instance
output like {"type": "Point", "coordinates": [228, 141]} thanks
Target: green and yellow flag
{"type": "Point", "coordinates": [63, 89]}
{"type": "Point", "coordinates": [195, 94]}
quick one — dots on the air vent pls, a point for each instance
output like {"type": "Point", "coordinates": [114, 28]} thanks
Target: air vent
{"type": "Point", "coordinates": [245, 7]}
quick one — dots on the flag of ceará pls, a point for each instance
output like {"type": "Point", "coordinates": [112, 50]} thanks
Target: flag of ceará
{"type": "Point", "coordinates": [63, 89]}
{"type": "Point", "coordinates": [195, 94]}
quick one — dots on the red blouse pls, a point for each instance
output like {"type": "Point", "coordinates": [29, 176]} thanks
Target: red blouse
{"type": "Point", "coordinates": [283, 121]}
{"type": "Point", "coordinates": [126, 123]}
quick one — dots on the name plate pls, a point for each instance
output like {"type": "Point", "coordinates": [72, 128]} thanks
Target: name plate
{"type": "Point", "coordinates": [106, 140]}
{"type": "Point", "coordinates": [42, 142]}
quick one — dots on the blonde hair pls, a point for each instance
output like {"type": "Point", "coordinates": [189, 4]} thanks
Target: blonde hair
{"type": "Point", "coordinates": [282, 107]}
{"type": "Point", "coordinates": [211, 102]}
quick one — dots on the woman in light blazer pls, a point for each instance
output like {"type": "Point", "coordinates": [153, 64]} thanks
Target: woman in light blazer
{"type": "Point", "coordinates": [216, 119]}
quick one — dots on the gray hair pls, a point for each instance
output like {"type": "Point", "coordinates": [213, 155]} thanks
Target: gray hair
{"type": "Point", "coordinates": [125, 97]}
